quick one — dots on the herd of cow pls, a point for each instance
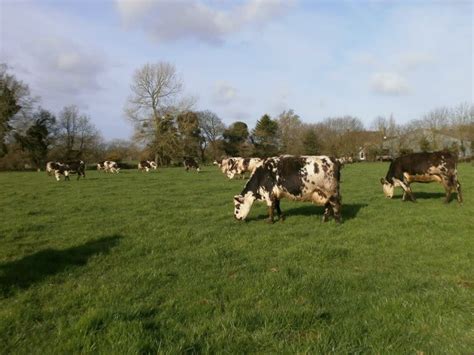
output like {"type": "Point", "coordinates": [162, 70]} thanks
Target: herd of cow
{"type": "Point", "coordinates": [303, 178]}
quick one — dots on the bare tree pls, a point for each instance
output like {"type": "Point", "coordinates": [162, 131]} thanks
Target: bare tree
{"type": "Point", "coordinates": [212, 129]}
{"type": "Point", "coordinates": [291, 133]}
{"type": "Point", "coordinates": [156, 94]}
{"type": "Point", "coordinates": [77, 135]}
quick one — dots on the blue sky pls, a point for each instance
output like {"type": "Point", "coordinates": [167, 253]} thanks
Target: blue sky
{"type": "Point", "coordinates": [242, 59]}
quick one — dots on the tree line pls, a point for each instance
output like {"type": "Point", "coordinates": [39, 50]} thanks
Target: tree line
{"type": "Point", "coordinates": [167, 127]}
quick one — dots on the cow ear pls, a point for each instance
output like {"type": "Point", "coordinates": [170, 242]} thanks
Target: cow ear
{"type": "Point", "coordinates": [239, 198]}
{"type": "Point", "coordinates": [383, 181]}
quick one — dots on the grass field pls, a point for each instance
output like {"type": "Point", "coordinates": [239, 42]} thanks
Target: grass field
{"type": "Point", "coordinates": [145, 263]}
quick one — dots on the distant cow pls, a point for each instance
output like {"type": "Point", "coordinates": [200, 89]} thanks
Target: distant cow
{"type": "Point", "coordinates": [108, 166]}
{"type": "Point", "coordinates": [422, 167]}
{"type": "Point", "coordinates": [384, 158]}
{"type": "Point", "coordinates": [237, 166]}
{"type": "Point", "coordinates": [345, 160]}
{"type": "Point", "coordinates": [190, 163]}
{"type": "Point", "coordinates": [147, 165]}
{"type": "Point", "coordinates": [302, 178]}
{"type": "Point", "coordinates": [73, 167]}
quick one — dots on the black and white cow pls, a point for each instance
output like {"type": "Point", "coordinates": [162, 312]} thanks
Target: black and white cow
{"type": "Point", "coordinates": [73, 167]}
{"type": "Point", "coordinates": [237, 166]}
{"type": "Point", "coordinates": [422, 167]}
{"type": "Point", "coordinates": [147, 165]}
{"type": "Point", "coordinates": [108, 166]}
{"type": "Point", "coordinates": [302, 178]}
{"type": "Point", "coordinates": [51, 166]}
{"type": "Point", "coordinates": [190, 163]}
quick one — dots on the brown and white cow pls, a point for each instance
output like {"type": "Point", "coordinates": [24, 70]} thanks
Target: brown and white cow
{"type": "Point", "coordinates": [422, 167]}
{"type": "Point", "coordinates": [238, 166]}
{"type": "Point", "coordinates": [301, 178]}
{"type": "Point", "coordinates": [147, 165]}
{"type": "Point", "coordinates": [108, 166]}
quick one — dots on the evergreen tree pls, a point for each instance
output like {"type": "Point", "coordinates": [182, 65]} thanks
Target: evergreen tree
{"type": "Point", "coordinates": [311, 144]}
{"type": "Point", "coordinates": [265, 137]}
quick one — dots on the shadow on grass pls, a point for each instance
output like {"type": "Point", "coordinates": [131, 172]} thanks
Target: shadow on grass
{"type": "Point", "coordinates": [35, 267]}
{"type": "Point", "coordinates": [349, 211]}
{"type": "Point", "coordinates": [427, 195]}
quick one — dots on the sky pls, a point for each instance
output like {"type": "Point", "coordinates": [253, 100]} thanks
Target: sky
{"type": "Point", "coordinates": [242, 59]}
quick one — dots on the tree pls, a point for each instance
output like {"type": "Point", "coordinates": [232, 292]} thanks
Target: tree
{"type": "Point", "coordinates": [425, 145]}
{"type": "Point", "coordinates": [38, 137]}
{"type": "Point", "coordinates": [77, 135]}
{"type": "Point", "coordinates": [120, 149]}
{"type": "Point", "coordinates": [311, 144]}
{"type": "Point", "coordinates": [264, 137]}
{"type": "Point", "coordinates": [235, 138]}
{"type": "Point", "coordinates": [15, 99]}
{"type": "Point", "coordinates": [338, 135]}
{"type": "Point", "coordinates": [190, 134]}
{"type": "Point", "coordinates": [290, 133]}
{"type": "Point", "coordinates": [212, 129]}
{"type": "Point", "coordinates": [156, 97]}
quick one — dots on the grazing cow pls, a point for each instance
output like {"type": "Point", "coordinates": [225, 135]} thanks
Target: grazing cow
{"type": "Point", "coordinates": [190, 163]}
{"type": "Point", "coordinates": [302, 178]}
{"type": "Point", "coordinates": [147, 165]}
{"type": "Point", "coordinates": [238, 166]}
{"type": "Point", "coordinates": [422, 167]}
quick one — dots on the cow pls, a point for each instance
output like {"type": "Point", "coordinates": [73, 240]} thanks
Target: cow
{"type": "Point", "coordinates": [237, 166]}
{"type": "Point", "coordinates": [51, 166]}
{"type": "Point", "coordinates": [108, 166]}
{"type": "Point", "coordinates": [345, 160]}
{"type": "Point", "coordinates": [73, 167]}
{"type": "Point", "coordinates": [101, 166]}
{"type": "Point", "coordinates": [422, 167]}
{"type": "Point", "coordinates": [190, 163]}
{"type": "Point", "coordinates": [147, 165]}
{"type": "Point", "coordinates": [301, 178]}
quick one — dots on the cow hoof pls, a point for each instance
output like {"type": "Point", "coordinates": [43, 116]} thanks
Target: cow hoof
{"type": "Point", "coordinates": [270, 221]}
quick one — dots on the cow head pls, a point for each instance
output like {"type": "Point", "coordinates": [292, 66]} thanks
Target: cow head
{"type": "Point", "coordinates": [242, 205]}
{"type": "Point", "coordinates": [388, 188]}
{"type": "Point", "coordinates": [153, 165]}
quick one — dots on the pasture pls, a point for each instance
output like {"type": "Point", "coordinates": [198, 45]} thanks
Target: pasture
{"type": "Point", "coordinates": [146, 263]}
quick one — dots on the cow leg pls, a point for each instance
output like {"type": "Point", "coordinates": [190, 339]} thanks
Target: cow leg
{"type": "Point", "coordinates": [281, 217]}
{"type": "Point", "coordinates": [406, 189]}
{"type": "Point", "coordinates": [447, 188]}
{"type": "Point", "coordinates": [328, 212]}
{"type": "Point", "coordinates": [270, 213]}
{"type": "Point", "coordinates": [458, 189]}
{"type": "Point", "coordinates": [335, 202]}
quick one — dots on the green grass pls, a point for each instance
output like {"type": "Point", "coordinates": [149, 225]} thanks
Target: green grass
{"type": "Point", "coordinates": [146, 263]}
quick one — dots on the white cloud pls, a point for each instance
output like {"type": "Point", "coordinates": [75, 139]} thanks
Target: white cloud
{"type": "Point", "coordinates": [175, 20]}
{"type": "Point", "coordinates": [224, 93]}
{"type": "Point", "coordinates": [389, 83]}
